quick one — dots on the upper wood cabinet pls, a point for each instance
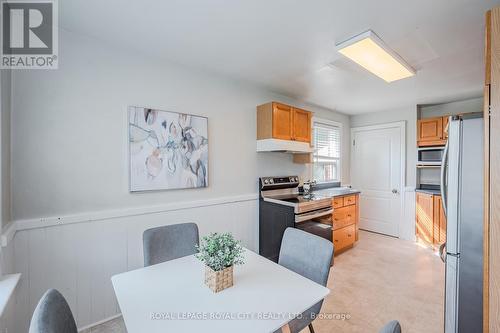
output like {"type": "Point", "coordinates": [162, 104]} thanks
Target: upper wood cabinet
{"type": "Point", "coordinates": [284, 122]}
{"type": "Point", "coordinates": [282, 125]}
{"type": "Point", "coordinates": [432, 131]}
{"type": "Point", "coordinates": [301, 125]}
{"type": "Point", "coordinates": [445, 127]}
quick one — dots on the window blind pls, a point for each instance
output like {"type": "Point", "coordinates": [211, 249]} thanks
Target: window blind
{"type": "Point", "coordinates": [326, 156]}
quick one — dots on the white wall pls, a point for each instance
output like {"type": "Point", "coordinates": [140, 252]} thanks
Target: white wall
{"type": "Point", "coordinates": [409, 115]}
{"type": "Point", "coordinates": [7, 319]}
{"type": "Point", "coordinates": [5, 190]}
{"type": "Point", "coordinates": [69, 130]}
{"type": "Point", "coordinates": [69, 164]}
{"type": "Point", "coordinates": [465, 106]}
{"type": "Point", "coordinates": [5, 116]}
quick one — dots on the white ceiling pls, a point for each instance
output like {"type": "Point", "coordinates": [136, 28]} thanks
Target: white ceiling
{"type": "Point", "coordinates": [288, 46]}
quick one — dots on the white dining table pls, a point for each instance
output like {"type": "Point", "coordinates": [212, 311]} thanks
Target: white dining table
{"type": "Point", "coordinates": [172, 297]}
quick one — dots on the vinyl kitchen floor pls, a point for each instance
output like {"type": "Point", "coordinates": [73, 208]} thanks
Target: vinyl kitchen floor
{"type": "Point", "coordinates": [381, 279]}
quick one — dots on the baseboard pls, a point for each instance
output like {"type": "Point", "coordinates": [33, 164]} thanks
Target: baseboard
{"type": "Point", "coordinates": [84, 328]}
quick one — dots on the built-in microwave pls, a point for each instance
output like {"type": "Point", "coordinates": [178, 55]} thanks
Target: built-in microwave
{"type": "Point", "coordinates": [430, 155]}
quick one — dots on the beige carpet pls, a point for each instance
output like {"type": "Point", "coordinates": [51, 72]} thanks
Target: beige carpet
{"type": "Point", "coordinates": [385, 278]}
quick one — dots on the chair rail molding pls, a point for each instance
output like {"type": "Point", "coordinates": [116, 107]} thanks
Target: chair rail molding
{"type": "Point", "coordinates": [9, 231]}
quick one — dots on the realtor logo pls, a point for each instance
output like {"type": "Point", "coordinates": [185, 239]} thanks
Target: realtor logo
{"type": "Point", "coordinates": [29, 34]}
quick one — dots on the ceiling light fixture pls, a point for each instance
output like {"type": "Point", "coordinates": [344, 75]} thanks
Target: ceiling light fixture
{"type": "Point", "coordinates": [370, 52]}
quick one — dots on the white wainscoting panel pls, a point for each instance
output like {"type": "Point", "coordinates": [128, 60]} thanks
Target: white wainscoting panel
{"type": "Point", "coordinates": [7, 258]}
{"type": "Point", "coordinates": [79, 259]}
{"type": "Point", "coordinates": [408, 230]}
{"type": "Point", "coordinates": [7, 319]}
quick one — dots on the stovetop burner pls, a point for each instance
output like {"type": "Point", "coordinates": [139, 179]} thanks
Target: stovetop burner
{"type": "Point", "coordinates": [298, 198]}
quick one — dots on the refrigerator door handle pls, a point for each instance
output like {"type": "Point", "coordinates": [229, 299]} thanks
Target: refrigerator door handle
{"type": "Point", "coordinates": [451, 188]}
{"type": "Point", "coordinates": [442, 253]}
{"type": "Point", "coordinates": [444, 168]}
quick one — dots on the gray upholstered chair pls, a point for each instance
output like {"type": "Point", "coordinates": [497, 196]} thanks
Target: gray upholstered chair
{"type": "Point", "coordinates": [391, 327]}
{"type": "Point", "coordinates": [169, 242]}
{"type": "Point", "coordinates": [52, 315]}
{"type": "Point", "coordinates": [309, 256]}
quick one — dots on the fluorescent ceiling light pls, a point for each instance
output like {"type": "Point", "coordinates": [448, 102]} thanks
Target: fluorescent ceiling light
{"type": "Point", "coordinates": [370, 52]}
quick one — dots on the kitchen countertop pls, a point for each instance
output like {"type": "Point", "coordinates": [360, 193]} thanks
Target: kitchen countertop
{"type": "Point", "coordinates": [336, 191]}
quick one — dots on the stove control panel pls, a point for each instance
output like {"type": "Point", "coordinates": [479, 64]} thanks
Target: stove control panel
{"type": "Point", "coordinates": [279, 182]}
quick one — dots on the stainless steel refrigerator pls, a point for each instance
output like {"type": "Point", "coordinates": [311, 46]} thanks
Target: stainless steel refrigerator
{"type": "Point", "coordinates": [462, 197]}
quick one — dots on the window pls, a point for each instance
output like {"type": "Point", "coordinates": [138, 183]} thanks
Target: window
{"type": "Point", "coordinates": [326, 156]}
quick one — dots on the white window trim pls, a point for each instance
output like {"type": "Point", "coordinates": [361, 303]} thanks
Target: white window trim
{"type": "Point", "coordinates": [341, 128]}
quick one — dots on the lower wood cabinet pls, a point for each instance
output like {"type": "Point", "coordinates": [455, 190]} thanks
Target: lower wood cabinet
{"type": "Point", "coordinates": [344, 237]}
{"type": "Point", "coordinates": [430, 219]}
{"type": "Point", "coordinates": [345, 222]}
{"type": "Point", "coordinates": [439, 221]}
{"type": "Point", "coordinates": [425, 217]}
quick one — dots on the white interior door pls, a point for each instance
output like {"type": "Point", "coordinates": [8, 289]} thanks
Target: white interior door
{"type": "Point", "coordinates": [377, 170]}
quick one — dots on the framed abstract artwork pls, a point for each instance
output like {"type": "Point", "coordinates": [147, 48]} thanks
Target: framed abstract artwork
{"type": "Point", "coordinates": [167, 150]}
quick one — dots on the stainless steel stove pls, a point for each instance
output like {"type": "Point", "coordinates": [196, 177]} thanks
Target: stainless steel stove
{"type": "Point", "coordinates": [282, 206]}
{"type": "Point", "coordinates": [285, 191]}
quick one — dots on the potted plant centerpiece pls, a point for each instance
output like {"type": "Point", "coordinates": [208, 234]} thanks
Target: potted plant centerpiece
{"type": "Point", "coordinates": [219, 252]}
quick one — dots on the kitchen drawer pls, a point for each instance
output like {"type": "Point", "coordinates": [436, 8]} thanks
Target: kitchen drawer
{"type": "Point", "coordinates": [338, 202]}
{"type": "Point", "coordinates": [350, 200]}
{"type": "Point", "coordinates": [343, 216]}
{"type": "Point", "coordinates": [341, 223]}
{"type": "Point", "coordinates": [344, 237]}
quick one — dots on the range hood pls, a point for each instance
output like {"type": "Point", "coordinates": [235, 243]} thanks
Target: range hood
{"type": "Point", "coordinates": [283, 146]}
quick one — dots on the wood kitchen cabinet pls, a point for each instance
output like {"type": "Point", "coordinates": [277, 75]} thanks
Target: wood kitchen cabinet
{"type": "Point", "coordinates": [439, 222]}
{"type": "Point", "coordinates": [425, 217]}
{"type": "Point", "coordinates": [430, 219]}
{"type": "Point", "coordinates": [491, 272]}
{"type": "Point", "coordinates": [280, 121]}
{"type": "Point", "coordinates": [345, 222]}
{"type": "Point", "coordinates": [301, 129]}
{"type": "Point", "coordinates": [446, 119]}
{"type": "Point", "coordinates": [431, 131]}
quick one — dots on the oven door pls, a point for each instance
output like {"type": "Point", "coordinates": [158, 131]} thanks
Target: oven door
{"type": "Point", "coordinates": [315, 214]}
{"type": "Point", "coordinates": [318, 222]}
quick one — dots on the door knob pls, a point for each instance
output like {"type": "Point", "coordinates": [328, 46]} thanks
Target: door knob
{"type": "Point", "coordinates": [395, 191]}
